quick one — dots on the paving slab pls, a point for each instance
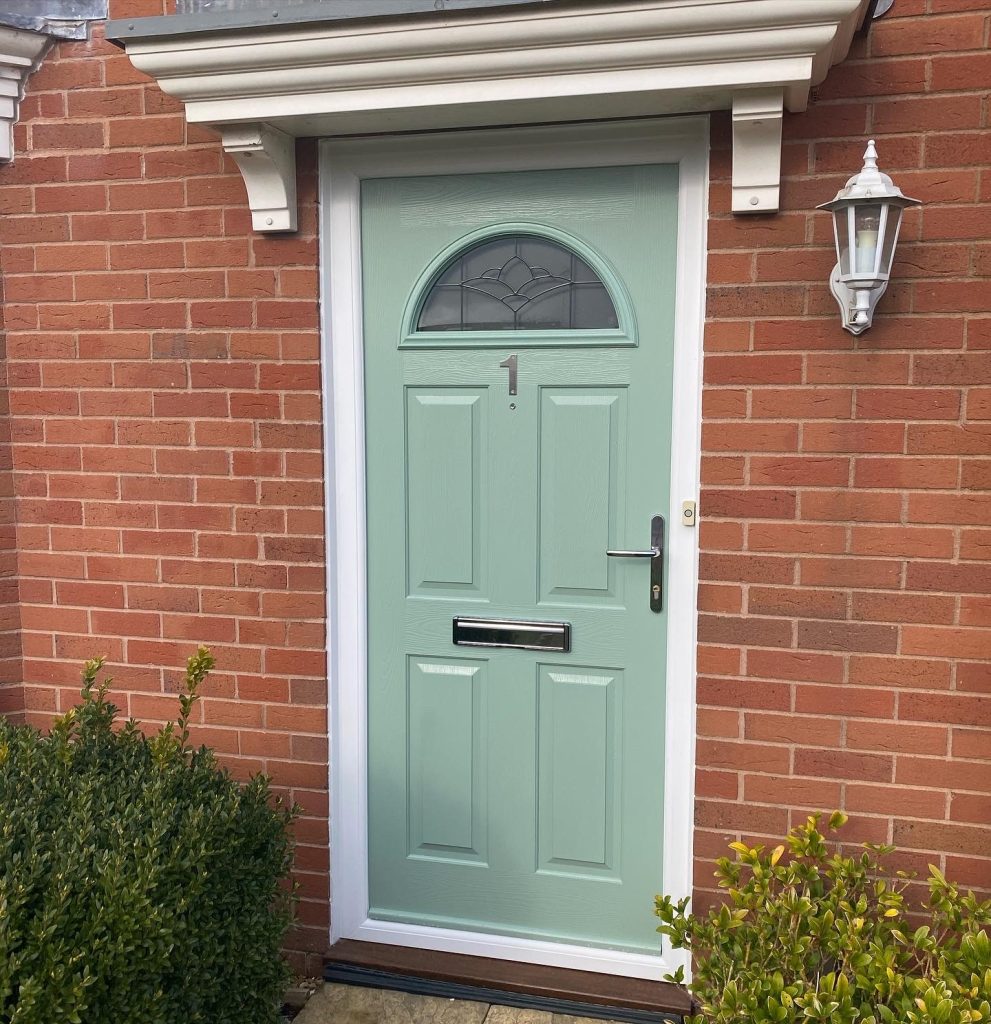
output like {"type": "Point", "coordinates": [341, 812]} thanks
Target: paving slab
{"type": "Point", "coordinates": [511, 1015]}
{"type": "Point", "coordinates": [352, 1004]}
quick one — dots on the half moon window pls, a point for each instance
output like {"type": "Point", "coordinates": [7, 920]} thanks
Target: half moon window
{"type": "Point", "coordinates": [517, 283]}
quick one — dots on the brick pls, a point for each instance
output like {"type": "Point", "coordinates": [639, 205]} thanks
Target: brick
{"type": "Point", "coordinates": [837, 764]}
{"type": "Point", "coordinates": [758, 632]}
{"type": "Point", "coordinates": [908, 403]}
{"type": "Point", "coordinates": [901, 607]}
{"type": "Point", "coordinates": [972, 743]}
{"type": "Point", "coordinates": [948, 577]}
{"type": "Point", "coordinates": [851, 506]}
{"type": "Point", "coordinates": [933, 113]}
{"type": "Point", "coordinates": [857, 368]}
{"type": "Point", "coordinates": [746, 568]}
{"type": "Point", "coordinates": [932, 439]}
{"type": "Point", "coordinates": [750, 437]}
{"type": "Point", "coordinates": [859, 437]}
{"type": "Point", "coordinates": [951, 296]}
{"type": "Point", "coordinates": [880, 799]}
{"type": "Point", "coordinates": [902, 541]}
{"type": "Point", "coordinates": [796, 602]}
{"type": "Point", "coordinates": [67, 137]}
{"type": "Point", "coordinates": [939, 837]}
{"type": "Point", "coordinates": [968, 807]}
{"type": "Point", "coordinates": [795, 665]}
{"type": "Point", "coordinates": [953, 509]}
{"type": "Point", "coordinates": [802, 470]}
{"type": "Point", "coordinates": [753, 369]}
{"type": "Point", "coordinates": [762, 758]}
{"type": "Point", "coordinates": [793, 729]}
{"type": "Point", "coordinates": [799, 538]}
{"type": "Point", "coordinates": [735, 817]}
{"type": "Point", "coordinates": [762, 504]}
{"type": "Point", "coordinates": [845, 701]}
{"type": "Point", "coordinates": [960, 368]}
{"type": "Point", "coordinates": [904, 472]}
{"type": "Point", "coordinates": [850, 572]}
{"type": "Point", "coordinates": [976, 475]}
{"type": "Point", "coordinates": [847, 636]}
{"type": "Point", "coordinates": [925, 640]}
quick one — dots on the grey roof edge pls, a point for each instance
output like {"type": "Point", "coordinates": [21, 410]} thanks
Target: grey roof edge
{"type": "Point", "coordinates": [67, 19]}
{"type": "Point", "coordinates": [122, 30]}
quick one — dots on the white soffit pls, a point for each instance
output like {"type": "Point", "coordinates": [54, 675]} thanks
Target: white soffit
{"type": "Point", "coordinates": [260, 88]}
{"type": "Point", "coordinates": [20, 54]}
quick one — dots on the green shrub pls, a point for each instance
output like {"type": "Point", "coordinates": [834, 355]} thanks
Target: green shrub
{"type": "Point", "coordinates": [818, 936]}
{"type": "Point", "coordinates": [139, 883]}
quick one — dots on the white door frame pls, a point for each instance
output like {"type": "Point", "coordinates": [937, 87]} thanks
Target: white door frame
{"type": "Point", "coordinates": [343, 164]}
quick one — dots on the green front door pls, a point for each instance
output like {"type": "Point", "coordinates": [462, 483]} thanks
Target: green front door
{"type": "Point", "coordinates": [518, 332]}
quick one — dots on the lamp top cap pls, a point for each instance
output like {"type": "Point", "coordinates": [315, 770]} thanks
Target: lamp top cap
{"type": "Point", "coordinates": [870, 183]}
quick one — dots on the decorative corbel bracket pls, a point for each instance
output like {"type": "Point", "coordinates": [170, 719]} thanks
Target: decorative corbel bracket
{"type": "Point", "coordinates": [21, 52]}
{"type": "Point", "coordinates": [266, 158]}
{"type": "Point", "coordinates": [757, 117]}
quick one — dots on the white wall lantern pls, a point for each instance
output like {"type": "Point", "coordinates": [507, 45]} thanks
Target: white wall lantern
{"type": "Point", "coordinates": [867, 214]}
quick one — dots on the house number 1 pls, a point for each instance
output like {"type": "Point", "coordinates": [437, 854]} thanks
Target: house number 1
{"type": "Point", "coordinates": [510, 364]}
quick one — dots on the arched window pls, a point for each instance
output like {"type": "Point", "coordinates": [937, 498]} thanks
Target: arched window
{"type": "Point", "coordinates": [517, 282]}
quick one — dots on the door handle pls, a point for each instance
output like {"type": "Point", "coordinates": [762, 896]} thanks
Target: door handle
{"type": "Point", "coordinates": [656, 555]}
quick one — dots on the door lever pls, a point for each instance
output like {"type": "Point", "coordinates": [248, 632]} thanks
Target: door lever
{"type": "Point", "coordinates": [656, 555]}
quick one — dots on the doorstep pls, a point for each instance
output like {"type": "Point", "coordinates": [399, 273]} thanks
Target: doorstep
{"type": "Point", "coordinates": [484, 980]}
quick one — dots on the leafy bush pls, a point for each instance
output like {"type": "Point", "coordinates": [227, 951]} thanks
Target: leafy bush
{"type": "Point", "coordinates": [818, 936]}
{"type": "Point", "coordinates": [139, 883]}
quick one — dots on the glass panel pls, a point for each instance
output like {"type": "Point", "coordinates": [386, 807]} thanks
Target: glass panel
{"type": "Point", "coordinates": [442, 310]}
{"type": "Point", "coordinates": [867, 223]}
{"type": "Point", "coordinates": [592, 302]}
{"type": "Point", "coordinates": [517, 282]}
{"type": "Point", "coordinates": [892, 224]}
{"type": "Point", "coordinates": [556, 261]}
{"type": "Point", "coordinates": [548, 312]}
{"type": "Point", "coordinates": [842, 230]}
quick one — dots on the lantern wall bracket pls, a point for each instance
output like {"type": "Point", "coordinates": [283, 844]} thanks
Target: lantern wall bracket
{"type": "Point", "coordinates": [856, 308]}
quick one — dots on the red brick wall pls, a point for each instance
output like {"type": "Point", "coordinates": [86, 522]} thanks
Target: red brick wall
{"type": "Point", "coordinates": [11, 691]}
{"type": "Point", "coordinates": [166, 418]}
{"type": "Point", "coordinates": [165, 414]}
{"type": "Point", "coordinates": [846, 513]}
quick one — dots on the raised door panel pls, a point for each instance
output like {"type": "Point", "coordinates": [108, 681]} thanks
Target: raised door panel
{"type": "Point", "coordinates": [445, 452]}
{"type": "Point", "coordinates": [580, 483]}
{"type": "Point", "coordinates": [447, 781]}
{"type": "Point", "coordinates": [579, 719]}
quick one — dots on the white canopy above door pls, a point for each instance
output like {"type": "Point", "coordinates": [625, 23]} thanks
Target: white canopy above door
{"type": "Point", "coordinates": [261, 87]}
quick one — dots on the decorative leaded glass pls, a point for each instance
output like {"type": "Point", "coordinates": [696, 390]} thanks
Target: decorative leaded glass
{"type": "Point", "coordinates": [517, 283]}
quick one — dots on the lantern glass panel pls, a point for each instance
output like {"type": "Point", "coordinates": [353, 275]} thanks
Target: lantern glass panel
{"type": "Point", "coordinates": [892, 224]}
{"type": "Point", "coordinates": [841, 228]}
{"type": "Point", "coordinates": [867, 226]}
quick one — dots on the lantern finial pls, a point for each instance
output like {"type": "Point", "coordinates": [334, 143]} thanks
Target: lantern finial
{"type": "Point", "coordinates": [870, 156]}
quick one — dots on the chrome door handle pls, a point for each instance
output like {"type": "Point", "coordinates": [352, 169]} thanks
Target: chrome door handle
{"type": "Point", "coordinates": [656, 555]}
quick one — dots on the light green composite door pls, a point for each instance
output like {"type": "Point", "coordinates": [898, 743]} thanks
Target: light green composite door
{"type": "Point", "coordinates": [512, 791]}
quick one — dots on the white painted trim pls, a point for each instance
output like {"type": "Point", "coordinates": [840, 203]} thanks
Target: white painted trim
{"type": "Point", "coordinates": [21, 51]}
{"type": "Point", "coordinates": [342, 166]}
{"type": "Point", "coordinates": [502, 66]}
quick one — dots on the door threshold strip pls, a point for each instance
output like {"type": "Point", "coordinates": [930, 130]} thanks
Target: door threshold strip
{"type": "Point", "coordinates": [505, 983]}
